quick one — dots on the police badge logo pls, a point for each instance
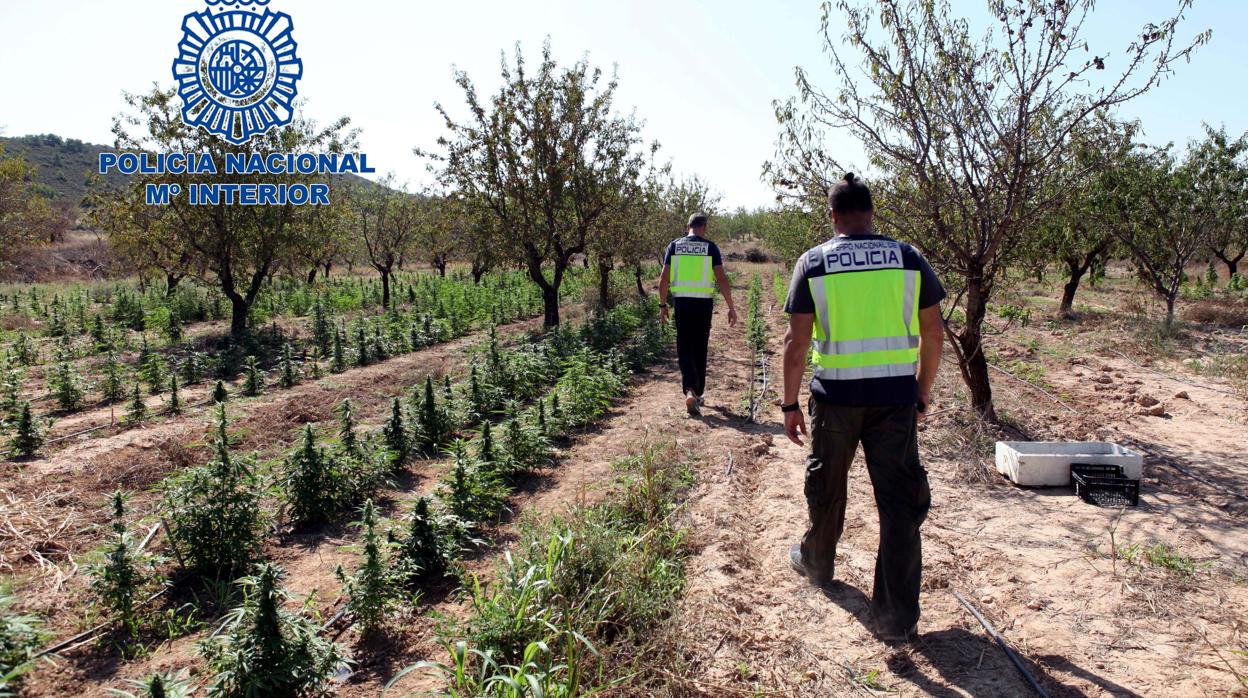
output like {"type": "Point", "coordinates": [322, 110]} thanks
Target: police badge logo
{"type": "Point", "coordinates": [236, 69]}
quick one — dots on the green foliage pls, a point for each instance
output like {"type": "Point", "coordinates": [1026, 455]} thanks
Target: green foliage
{"type": "Point", "coordinates": [268, 650]}
{"type": "Point", "coordinates": [152, 372]}
{"type": "Point", "coordinates": [192, 368]}
{"type": "Point", "coordinates": [213, 511]}
{"type": "Point", "coordinates": [395, 434]}
{"type": "Point", "coordinates": [337, 363]}
{"type": "Point", "coordinates": [28, 437]}
{"type": "Point", "coordinates": [173, 328]}
{"type": "Point", "coordinates": [318, 483]}
{"type": "Point", "coordinates": [122, 573]}
{"type": "Point", "coordinates": [756, 323]}
{"type": "Point", "coordinates": [290, 373]}
{"type": "Point", "coordinates": [20, 637]}
{"type": "Point", "coordinates": [375, 588]}
{"type": "Point", "coordinates": [66, 385]}
{"type": "Point", "coordinates": [253, 383]}
{"type": "Point", "coordinates": [310, 483]}
{"type": "Point", "coordinates": [136, 411]}
{"type": "Point", "coordinates": [113, 387]}
{"type": "Point", "coordinates": [426, 550]}
{"type": "Point", "coordinates": [10, 393]}
{"type": "Point", "coordinates": [175, 400]}
{"type": "Point", "coordinates": [473, 491]}
{"type": "Point", "coordinates": [599, 575]}
{"type": "Point", "coordinates": [219, 394]}
{"type": "Point", "coordinates": [322, 328]}
{"type": "Point", "coordinates": [158, 685]}
{"type": "Point", "coordinates": [434, 423]}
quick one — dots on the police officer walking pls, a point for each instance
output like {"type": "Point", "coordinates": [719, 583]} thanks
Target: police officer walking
{"type": "Point", "coordinates": [688, 267]}
{"type": "Point", "coordinates": [871, 305]}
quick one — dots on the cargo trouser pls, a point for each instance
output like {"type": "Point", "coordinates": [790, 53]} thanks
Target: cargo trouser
{"type": "Point", "coordinates": [889, 437]}
{"type": "Point", "coordinates": [693, 334]}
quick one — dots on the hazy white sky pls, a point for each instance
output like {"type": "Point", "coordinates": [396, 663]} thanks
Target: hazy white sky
{"type": "Point", "coordinates": [701, 74]}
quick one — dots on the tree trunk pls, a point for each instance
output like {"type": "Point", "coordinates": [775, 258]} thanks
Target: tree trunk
{"type": "Point", "coordinates": [171, 284]}
{"type": "Point", "coordinates": [641, 287]}
{"type": "Point", "coordinates": [312, 274]}
{"type": "Point", "coordinates": [1066, 309]}
{"type": "Point", "coordinates": [1232, 263]}
{"type": "Point", "coordinates": [550, 288]}
{"type": "Point", "coordinates": [1170, 299]}
{"type": "Point", "coordinates": [440, 264]}
{"type": "Point", "coordinates": [328, 265]}
{"type": "Point", "coordinates": [970, 350]}
{"type": "Point", "coordinates": [239, 309]}
{"type": "Point", "coordinates": [604, 282]}
{"type": "Point", "coordinates": [385, 287]}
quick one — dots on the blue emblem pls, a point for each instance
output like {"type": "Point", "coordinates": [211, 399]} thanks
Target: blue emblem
{"type": "Point", "coordinates": [236, 69]}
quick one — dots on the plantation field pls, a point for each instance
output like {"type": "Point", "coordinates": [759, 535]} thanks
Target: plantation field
{"type": "Point", "coordinates": [561, 495]}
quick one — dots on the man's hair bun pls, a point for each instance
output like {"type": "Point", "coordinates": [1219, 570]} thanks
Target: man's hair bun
{"type": "Point", "coordinates": [849, 177]}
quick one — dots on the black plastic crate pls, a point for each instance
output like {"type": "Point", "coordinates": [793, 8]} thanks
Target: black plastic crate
{"type": "Point", "coordinates": [1115, 491]}
{"type": "Point", "coordinates": [1097, 469]}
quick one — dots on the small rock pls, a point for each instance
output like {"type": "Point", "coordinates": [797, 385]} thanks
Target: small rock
{"type": "Point", "coordinates": [759, 449]}
{"type": "Point", "coordinates": [811, 675]}
{"type": "Point", "coordinates": [1118, 374]}
{"type": "Point", "coordinates": [1106, 369]}
{"type": "Point", "coordinates": [1182, 395]}
{"type": "Point", "coordinates": [1036, 605]}
{"type": "Point", "coordinates": [1104, 380]}
{"type": "Point", "coordinates": [1147, 400]}
{"type": "Point", "coordinates": [986, 600]}
{"type": "Point", "coordinates": [1157, 410]}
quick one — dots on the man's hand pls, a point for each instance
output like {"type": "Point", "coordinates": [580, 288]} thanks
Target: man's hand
{"type": "Point", "coordinates": [663, 315]}
{"type": "Point", "coordinates": [925, 404]}
{"type": "Point", "coordinates": [732, 316]}
{"type": "Point", "coordinates": [795, 424]}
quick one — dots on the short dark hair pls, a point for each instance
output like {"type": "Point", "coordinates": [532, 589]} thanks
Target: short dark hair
{"type": "Point", "coordinates": [697, 220]}
{"type": "Point", "coordinates": [850, 196]}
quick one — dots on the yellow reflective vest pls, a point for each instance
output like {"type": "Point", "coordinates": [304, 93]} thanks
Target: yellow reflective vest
{"type": "Point", "coordinates": [866, 311]}
{"type": "Point", "coordinates": [691, 275]}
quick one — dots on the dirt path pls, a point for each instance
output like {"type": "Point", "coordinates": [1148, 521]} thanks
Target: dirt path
{"type": "Point", "coordinates": [1034, 561]}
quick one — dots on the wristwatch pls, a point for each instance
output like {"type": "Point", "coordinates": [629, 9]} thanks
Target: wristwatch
{"type": "Point", "coordinates": [794, 407]}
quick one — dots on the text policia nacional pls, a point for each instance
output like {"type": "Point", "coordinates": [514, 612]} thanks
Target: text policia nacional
{"type": "Point", "coordinates": [248, 194]}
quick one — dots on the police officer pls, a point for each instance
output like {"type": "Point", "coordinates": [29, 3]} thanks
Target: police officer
{"type": "Point", "coordinates": [871, 305]}
{"type": "Point", "coordinates": [688, 266]}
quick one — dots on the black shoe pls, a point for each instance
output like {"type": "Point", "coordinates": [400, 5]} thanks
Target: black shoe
{"type": "Point", "coordinates": [795, 561]}
{"type": "Point", "coordinates": [894, 637]}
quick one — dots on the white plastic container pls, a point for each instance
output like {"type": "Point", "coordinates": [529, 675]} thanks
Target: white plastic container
{"type": "Point", "coordinates": [1047, 463]}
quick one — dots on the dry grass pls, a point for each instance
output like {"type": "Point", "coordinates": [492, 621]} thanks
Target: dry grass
{"type": "Point", "coordinates": [968, 440]}
{"type": "Point", "coordinates": [1227, 313]}
{"type": "Point", "coordinates": [32, 530]}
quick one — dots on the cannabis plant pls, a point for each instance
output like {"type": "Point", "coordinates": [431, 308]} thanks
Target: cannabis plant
{"type": "Point", "coordinates": [268, 650]}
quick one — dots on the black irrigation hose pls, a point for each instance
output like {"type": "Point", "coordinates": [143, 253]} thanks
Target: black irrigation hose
{"type": "Point", "coordinates": [1005, 646]}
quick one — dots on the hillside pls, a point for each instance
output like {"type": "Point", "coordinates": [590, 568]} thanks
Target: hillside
{"type": "Point", "coordinates": [66, 166]}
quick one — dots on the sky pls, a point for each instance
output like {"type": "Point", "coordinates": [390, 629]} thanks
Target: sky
{"type": "Point", "coordinates": [701, 74]}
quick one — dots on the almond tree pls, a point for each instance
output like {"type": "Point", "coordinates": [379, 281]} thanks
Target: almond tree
{"type": "Point", "coordinates": [1158, 209]}
{"type": "Point", "coordinates": [17, 200]}
{"type": "Point", "coordinates": [546, 156]}
{"type": "Point", "coordinates": [1224, 188]}
{"type": "Point", "coordinates": [966, 132]}
{"type": "Point", "coordinates": [238, 247]}
{"type": "Point", "coordinates": [389, 222]}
